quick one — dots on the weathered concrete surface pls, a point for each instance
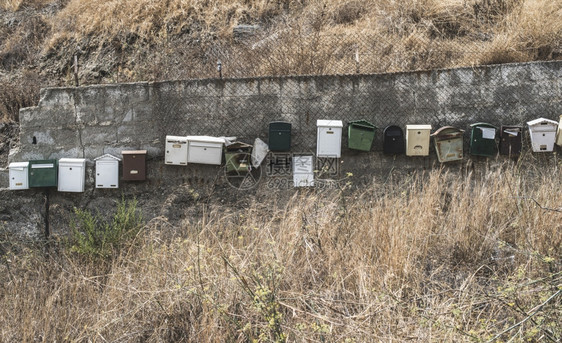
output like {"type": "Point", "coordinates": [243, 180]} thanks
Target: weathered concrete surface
{"type": "Point", "coordinates": [93, 120]}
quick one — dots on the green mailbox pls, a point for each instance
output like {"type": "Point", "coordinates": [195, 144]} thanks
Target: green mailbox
{"type": "Point", "coordinates": [360, 135]}
{"type": "Point", "coordinates": [279, 136]}
{"type": "Point", "coordinates": [43, 173]}
{"type": "Point", "coordinates": [483, 140]}
{"type": "Point", "coordinates": [238, 157]}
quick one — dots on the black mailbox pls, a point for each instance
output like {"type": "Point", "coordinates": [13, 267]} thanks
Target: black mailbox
{"type": "Point", "coordinates": [393, 141]}
{"type": "Point", "coordinates": [510, 140]}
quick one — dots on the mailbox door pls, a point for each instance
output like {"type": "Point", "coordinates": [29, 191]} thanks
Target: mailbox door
{"type": "Point", "coordinates": [71, 178]}
{"type": "Point", "coordinates": [393, 142]}
{"type": "Point", "coordinates": [417, 142]}
{"type": "Point", "coordinates": [176, 152]}
{"type": "Point", "coordinates": [279, 136]}
{"type": "Point", "coordinates": [360, 137]}
{"type": "Point", "coordinates": [303, 171]}
{"type": "Point", "coordinates": [18, 178]}
{"type": "Point", "coordinates": [328, 143]}
{"type": "Point", "coordinates": [483, 140]}
{"type": "Point", "coordinates": [107, 174]}
{"type": "Point", "coordinates": [134, 167]}
{"type": "Point", "coordinates": [43, 173]}
{"type": "Point", "coordinates": [510, 140]}
{"type": "Point", "coordinates": [543, 141]}
{"type": "Point", "coordinates": [449, 150]}
{"type": "Point", "coordinates": [204, 153]}
{"type": "Point", "coordinates": [237, 161]}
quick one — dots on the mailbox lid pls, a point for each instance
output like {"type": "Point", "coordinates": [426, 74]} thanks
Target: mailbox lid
{"type": "Point", "coordinates": [511, 139]}
{"type": "Point", "coordinates": [361, 134]}
{"type": "Point", "coordinates": [134, 165]}
{"type": "Point", "coordinates": [329, 123]}
{"type": "Point", "coordinates": [542, 125]}
{"type": "Point", "coordinates": [448, 132]}
{"type": "Point", "coordinates": [280, 136]}
{"type": "Point", "coordinates": [72, 174]}
{"type": "Point", "coordinates": [393, 141]}
{"type": "Point", "coordinates": [43, 173]}
{"type": "Point", "coordinates": [72, 162]}
{"type": "Point", "coordinates": [19, 177]}
{"type": "Point", "coordinates": [176, 139]}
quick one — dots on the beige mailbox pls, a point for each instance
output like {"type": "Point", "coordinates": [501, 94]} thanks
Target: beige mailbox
{"type": "Point", "coordinates": [176, 150]}
{"type": "Point", "coordinates": [204, 149]}
{"type": "Point", "coordinates": [417, 140]}
{"type": "Point", "coordinates": [19, 177]}
{"type": "Point", "coordinates": [72, 174]}
{"type": "Point", "coordinates": [328, 143]}
{"type": "Point", "coordinates": [543, 134]}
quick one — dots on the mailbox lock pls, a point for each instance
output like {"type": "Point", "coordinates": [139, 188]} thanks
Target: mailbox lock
{"type": "Point", "coordinates": [419, 132]}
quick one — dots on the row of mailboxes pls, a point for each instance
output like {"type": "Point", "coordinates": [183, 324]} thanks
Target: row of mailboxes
{"type": "Point", "coordinates": [193, 149]}
{"type": "Point", "coordinates": [69, 174]}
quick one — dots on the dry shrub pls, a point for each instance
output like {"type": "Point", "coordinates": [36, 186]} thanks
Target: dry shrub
{"type": "Point", "coordinates": [434, 257]}
{"type": "Point", "coordinates": [19, 93]}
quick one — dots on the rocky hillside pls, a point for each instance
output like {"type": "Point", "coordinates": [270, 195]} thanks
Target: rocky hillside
{"type": "Point", "coordinates": [131, 40]}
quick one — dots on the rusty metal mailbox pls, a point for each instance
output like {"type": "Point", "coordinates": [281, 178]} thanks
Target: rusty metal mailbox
{"type": "Point", "coordinates": [393, 141]}
{"type": "Point", "coordinates": [448, 143]}
{"type": "Point", "coordinates": [483, 140]}
{"type": "Point", "coordinates": [134, 165]}
{"type": "Point", "coordinates": [510, 140]}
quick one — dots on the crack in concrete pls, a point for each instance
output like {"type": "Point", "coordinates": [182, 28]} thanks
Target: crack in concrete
{"type": "Point", "coordinates": [78, 122]}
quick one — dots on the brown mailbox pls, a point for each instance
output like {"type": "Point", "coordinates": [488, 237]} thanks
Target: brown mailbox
{"type": "Point", "coordinates": [134, 165]}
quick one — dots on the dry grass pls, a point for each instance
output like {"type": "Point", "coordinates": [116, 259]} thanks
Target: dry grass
{"type": "Point", "coordinates": [436, 257]}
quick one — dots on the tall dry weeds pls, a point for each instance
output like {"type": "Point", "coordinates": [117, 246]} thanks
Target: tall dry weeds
{"type": "Point", "coordinates": [434, 257]}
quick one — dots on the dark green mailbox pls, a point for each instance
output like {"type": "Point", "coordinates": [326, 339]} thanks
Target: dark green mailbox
{"type": "Point", "coordinates": [279, 136]}
{"type": "Point", "coordinates": [360, 134]}
{"type": "Point", "coordinates": [483, 140]}
{"type": "Point", "coordinates": [43, 173]}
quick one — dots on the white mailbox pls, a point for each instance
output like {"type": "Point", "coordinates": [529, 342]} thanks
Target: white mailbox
{"type": "Point", "coordinates": [417, 140]}
{"type": "Point", "coordinates": [543, 134]}
{"type": "Point", "coordinates": [204, 149]}
{"type": "Point", "coordinates": [176, 150]}
{"type": "Point", "coordinates": [72, 174]}
{"type": "Point", "coordinates": [559, 134]}
{"type": "Point", "coordinates": [328, 142]}
{"type": "Point", "coordinates": [107, 171]}
{"type": "Point", "coordinates": [19, 177]}
{"type": "Point", "coordinates": [303, 171]}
